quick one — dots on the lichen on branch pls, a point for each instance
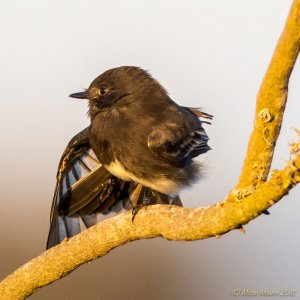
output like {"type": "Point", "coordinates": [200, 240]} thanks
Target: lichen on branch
{"type": "Point", "coordinates": [270, 103]}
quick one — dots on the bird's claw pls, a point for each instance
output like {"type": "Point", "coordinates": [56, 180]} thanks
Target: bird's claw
{"type": "Point", "coordinates": [138, 207]}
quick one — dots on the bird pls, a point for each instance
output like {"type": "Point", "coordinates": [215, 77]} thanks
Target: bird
{"type": "Point", "coordinates": [139, 134]}
{"type": "Point", "coordinates": [86, 193]}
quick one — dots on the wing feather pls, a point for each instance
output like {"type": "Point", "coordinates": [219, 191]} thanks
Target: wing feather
{"type": "Point", "coordinates": [86, 191]}
{"type": "Point", "coordinates": [181, 139]}
{"type": "Point", "coordinates": [176, 146]}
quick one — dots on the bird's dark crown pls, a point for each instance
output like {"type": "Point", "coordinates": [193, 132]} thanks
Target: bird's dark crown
{"type": "Point", "coordinates": [116, 85]}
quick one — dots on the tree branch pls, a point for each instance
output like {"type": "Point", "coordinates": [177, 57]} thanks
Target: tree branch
{"type": "Point", "coordinates": [270, 103]}
{"type": "Point", "coordinates": [170, 222]}
{"type": "Point", "coordinates": [252, 195]}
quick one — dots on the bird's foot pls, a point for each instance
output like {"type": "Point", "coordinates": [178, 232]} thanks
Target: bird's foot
{"type": "Point", "coordinates": [138, 200]}
{"type": "Point", "coordinates": [138, 207]}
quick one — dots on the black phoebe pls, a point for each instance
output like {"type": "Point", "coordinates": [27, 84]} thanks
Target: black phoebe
{"type": "Point", "coordinates": [86, 191]}
{"type": "Point", "coordinates": [139, 134]}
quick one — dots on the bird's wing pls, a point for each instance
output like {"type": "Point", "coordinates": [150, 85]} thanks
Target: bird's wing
{"type": "Point", "coordinates": [177, 142]}
{"type": "Point", "coordinates": [85, 191]}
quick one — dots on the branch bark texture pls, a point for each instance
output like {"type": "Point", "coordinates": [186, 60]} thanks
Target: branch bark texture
{"type": "Point", "coordinates": [270, 104]}
{"type": "Point", "coordinates": [253, 194]}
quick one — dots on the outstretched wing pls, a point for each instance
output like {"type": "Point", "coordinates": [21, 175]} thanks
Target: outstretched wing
{"type": "Point", "coordinates": [85, 191]}
{"type": "Point", "coordinates": [177, 142]}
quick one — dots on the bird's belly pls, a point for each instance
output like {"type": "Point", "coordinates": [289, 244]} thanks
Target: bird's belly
{"type": "Point", "coordinates": [118, 170]}
{"type": "Point", "coordinates": [160, 184]}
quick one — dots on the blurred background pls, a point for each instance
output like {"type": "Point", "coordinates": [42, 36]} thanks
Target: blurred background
{"type": "Point", "coordinates": [211, 54]}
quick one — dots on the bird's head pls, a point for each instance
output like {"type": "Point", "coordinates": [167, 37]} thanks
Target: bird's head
{"type": "Point", "coordinates": [121, 85]}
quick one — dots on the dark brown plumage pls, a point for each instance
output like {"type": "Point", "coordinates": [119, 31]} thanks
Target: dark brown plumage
{"type": "Point", "coordinates": [139, 134]}
{"type": "Point", "coordinates": [86, 192]}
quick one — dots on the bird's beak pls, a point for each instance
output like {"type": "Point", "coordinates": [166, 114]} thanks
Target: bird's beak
{"type": "Point", "coordinates": [80, 95]}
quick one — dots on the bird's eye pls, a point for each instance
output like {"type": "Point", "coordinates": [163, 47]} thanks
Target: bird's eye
{"type": "Point", "coordinates": [102, 91]}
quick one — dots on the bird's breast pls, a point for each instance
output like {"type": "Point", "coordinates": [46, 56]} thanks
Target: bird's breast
{"type": "Point", "coordinates": [117, 169]}
{"type": "Point", "coordinates": [160, 183]}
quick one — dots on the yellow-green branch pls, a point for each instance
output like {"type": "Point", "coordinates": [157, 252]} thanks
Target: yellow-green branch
{"type": "Point", "coordinates": [170, 222]}
{"type": "Point", "coordinates": [252, 195]}
{"type": "Point", "coordinates": [270, 104]}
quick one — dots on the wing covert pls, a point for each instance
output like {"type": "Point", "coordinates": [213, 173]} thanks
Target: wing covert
{"type": "Point", "coordinates": [176, 144]}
